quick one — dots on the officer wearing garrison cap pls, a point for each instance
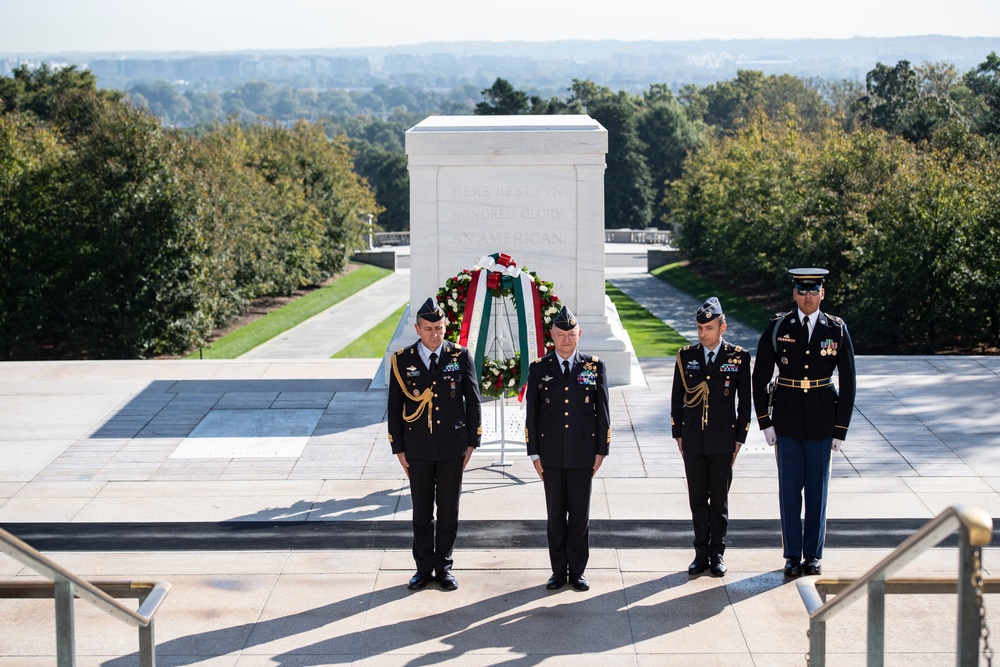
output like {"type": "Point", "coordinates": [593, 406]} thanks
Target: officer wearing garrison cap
{"type": "Point", "coordinates": [568, 433]}
{"type": "Point", "coordinates": [709, 417]}
{"type": "Point", "coordinates": [802, 413]}
{"type": "Point", "coordinates": [434, 424]}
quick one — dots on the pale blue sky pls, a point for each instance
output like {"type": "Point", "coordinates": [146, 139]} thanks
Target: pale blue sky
{"type": "Point", "coordinates": [229, 25]}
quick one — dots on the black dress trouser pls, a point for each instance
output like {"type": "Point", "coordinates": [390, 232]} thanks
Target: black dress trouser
{"type": "Point", "coordinates": [567, 504]}
{"type": "Point", "coordinates": [430, 482]}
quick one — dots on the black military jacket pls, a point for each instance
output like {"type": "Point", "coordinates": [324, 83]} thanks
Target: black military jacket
{"type": "Point", "coordinates": [434, 418]}
{"type": "Point", "coordinates": [567, 423]}
{"type": "Point", "coordinates": [806, 414]}
{"type": "Point", "coordinates": [726, 389]}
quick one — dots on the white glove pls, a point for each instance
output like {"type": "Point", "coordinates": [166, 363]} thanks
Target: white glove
{"type": "Point", "coordinates": [770, 436]}
{"type": "Point", "coordinates": [837, 444]}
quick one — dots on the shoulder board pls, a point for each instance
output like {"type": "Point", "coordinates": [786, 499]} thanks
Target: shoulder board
{"type": "Point", "coordinates": [780, 316]}
{"type": "Point", "coordinates": [686, 347]}
{"type": "Point", "coordinates": [400, 350]}
{"type": "Point", "coordinates": [836, 320]}
{"type": "Point", "coordinates": [595, 358]}
{"type": "Point", "coordinates": [738, 348]}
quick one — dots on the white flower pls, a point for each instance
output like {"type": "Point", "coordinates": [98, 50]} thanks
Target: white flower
{"type": "Point", "coordinates": [551, 310]}
{"type": "Point", "coordinates": [452, 304]}
{"type": "Point", "coordinates": [543, 288]}
{"type": "Point", "coordinates": [454, 294]}
{"type": "Point", "coordinates": [511, 383]}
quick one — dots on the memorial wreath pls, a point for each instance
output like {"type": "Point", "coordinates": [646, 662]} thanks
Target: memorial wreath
{"type": "Point", "coordinates": [467, 299]}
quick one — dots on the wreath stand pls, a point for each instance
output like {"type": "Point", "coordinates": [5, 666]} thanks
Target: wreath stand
{"type": "Point", "coordinates": [496, 351]}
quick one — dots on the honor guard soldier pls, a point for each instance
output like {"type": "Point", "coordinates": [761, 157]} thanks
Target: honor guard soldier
{"type": "Point", "coordinates": [710, 417]}
{"type": "Point", "coordinates": [568, 433]}
{"type": "Point", "coordinates": [801, 412]}
{"type": "Point", "coordinates": [435, 422]}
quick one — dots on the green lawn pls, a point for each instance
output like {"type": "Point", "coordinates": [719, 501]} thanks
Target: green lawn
{"type": "Point", "coordinates": [650, 336]}
{"type": "Point", "coordinates": [246, 338]}
{"type": "Point", "coordinates": [372, 343]}
{"type": "Point", "coordinates": [734, 306]}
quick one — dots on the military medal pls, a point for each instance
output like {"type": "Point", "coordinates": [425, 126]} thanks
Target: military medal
{"type": "Point", "coordinates": [784, 360]}
{"type": "Point", "coordinates": [416, 392]}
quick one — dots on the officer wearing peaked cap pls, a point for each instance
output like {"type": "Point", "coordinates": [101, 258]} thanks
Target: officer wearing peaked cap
{"type": "Point", "coordinates": [802, 413]}
{"type": "Point", "coordinates": [568, 433]}
{"type": "Point", "coordinates": [710, 416]}
{"type": "Point", "coordinates": [435, 421]}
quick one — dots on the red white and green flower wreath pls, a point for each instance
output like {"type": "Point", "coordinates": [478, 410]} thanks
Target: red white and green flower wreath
{"type": "Point", "coordinates": [466, 299]}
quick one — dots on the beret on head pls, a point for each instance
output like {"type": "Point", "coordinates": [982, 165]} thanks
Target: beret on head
{"type": "Point", "coordinates": [430, 311]}
{"type": "Point", "coordinates": [564, 320]}
{"type": "Point", "coordinates": [709, 310]}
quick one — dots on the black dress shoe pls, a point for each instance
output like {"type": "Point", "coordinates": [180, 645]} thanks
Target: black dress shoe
{"type": "Point", "coordinates": [718, 566]}
{"type": "Point", "coordinates": [698, 565]}
{"type": "Point", "coordinates": [811, 566]}
{"type": "Point", "coordinates": [448, 581]}
{"type": "Point", "coordinates": [579, 582]}
{"type": "Point", "coordinates": [792, 567]}
{"type": "Point", "coordinates": [419, 581]}
{"type": "Point", "coordinates": [556, 582]}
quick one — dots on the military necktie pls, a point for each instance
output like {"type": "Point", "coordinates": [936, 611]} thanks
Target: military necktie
{"type": "Point", "coordinates": [566, 371]}
{"type": "Point", "coordinates": [711, 359]}
{"type": "Point", "coordinates": [805, 327]}
{"type": "Point", "coordinates": [434, 362]}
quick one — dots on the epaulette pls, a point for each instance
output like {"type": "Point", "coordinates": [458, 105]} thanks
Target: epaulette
{"type": "Point", "coordinates": [836, 320]}
{"type": "Point", "coordinates": [595, 358]}
{"type": "Point", "coordinates": [400, 350]}
{"type": "Point", "coordinates": [738, 348]}
{"type": "Point", "coordinates": [686, 347]}
{"type": "Point", "coordinates": [779, 316]}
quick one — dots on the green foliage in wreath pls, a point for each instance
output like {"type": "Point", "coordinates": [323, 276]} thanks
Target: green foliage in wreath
{"type": "Point", "coordinates": [500, 376]}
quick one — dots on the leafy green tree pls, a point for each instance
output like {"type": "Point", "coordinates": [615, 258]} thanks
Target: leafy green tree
{"type": "Point", "coordinates": [502, 99]}
{"type": "Point", "coordinates": [668, 135]}
{"type": "Point", "coordinates": [163, 101]}
{"type": "Point", "coordinates": [730, 103]}
{"type": "Point", "coordinates": [984, 83]}
{"type": "Point", "coordinates": [388, 175]}
{"type": "Point", "coordinates": [896, 102]}
{"type": "Point", "coordinates": [29, 159]}
{"type": "Point", "coordinates": [36, 90]}
{"type": "Point", "coordinates": [628, 191]}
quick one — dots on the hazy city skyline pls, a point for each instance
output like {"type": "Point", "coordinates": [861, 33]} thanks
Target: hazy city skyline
{"type": "Point", "coordinates": [228, 25]}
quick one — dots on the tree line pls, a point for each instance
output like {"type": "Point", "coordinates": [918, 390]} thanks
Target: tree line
{"type": "Point", "coordinates": [123, 237]}
{"type": "Point", "coordinates": [120, 238]}
{"type": "Point", "coordinates": [898, 195]}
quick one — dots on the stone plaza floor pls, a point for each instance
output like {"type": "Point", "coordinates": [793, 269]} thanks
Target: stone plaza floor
{"type": "Point", "coordinates": [182, 443]}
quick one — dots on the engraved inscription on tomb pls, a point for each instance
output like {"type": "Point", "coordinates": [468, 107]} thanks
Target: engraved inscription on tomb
{"type": "Point", "coordinates": [506, 208]}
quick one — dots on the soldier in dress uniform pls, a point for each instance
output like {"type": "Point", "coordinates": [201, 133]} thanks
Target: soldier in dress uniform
{"type": "Point", "coordinates": [568, 432]}
{"type": "Point", "coordinates": [710, 417]}
{"type": "Point", "coordinates": [802, 413]}
{"type": "Point", "coordinates": [435, 422]}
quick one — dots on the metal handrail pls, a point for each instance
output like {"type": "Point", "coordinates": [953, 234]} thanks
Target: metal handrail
{"type": "Point", "coordinates": [66, 585]}
{"type": "Point", "coordinates": [975, 527]}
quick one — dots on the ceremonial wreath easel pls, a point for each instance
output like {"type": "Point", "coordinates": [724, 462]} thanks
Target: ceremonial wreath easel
{"type": "Point", "coordinates": [473, 300]}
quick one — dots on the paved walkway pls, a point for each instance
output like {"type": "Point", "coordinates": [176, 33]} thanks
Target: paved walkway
{"type": "Point", "coordinates": [87, 444]}
{"type": "Point", "coordinates": [322, 336]}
